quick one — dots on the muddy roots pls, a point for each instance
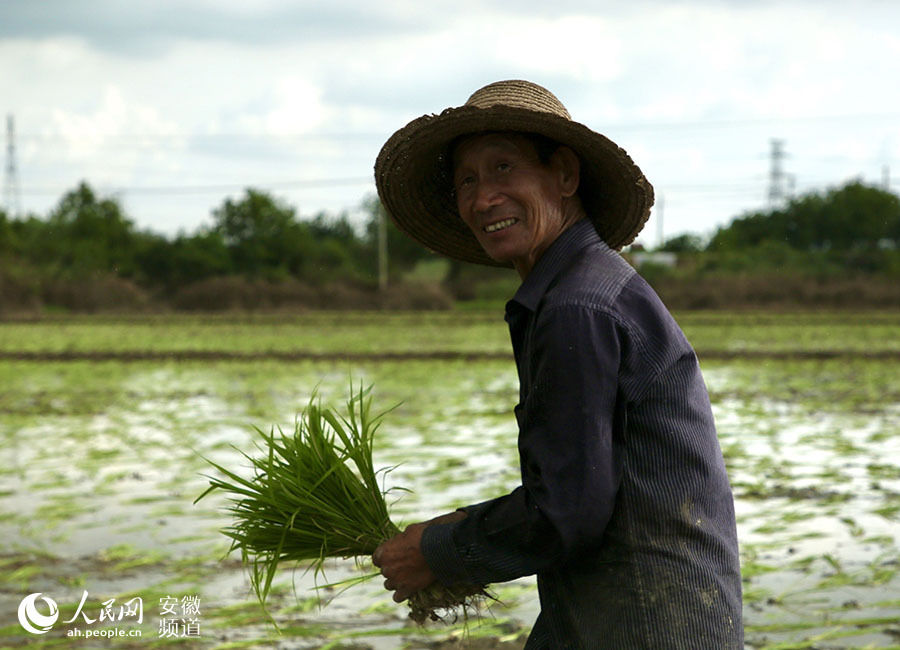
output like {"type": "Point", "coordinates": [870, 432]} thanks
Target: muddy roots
{"type": "Point", "coordinates": [437, 602]}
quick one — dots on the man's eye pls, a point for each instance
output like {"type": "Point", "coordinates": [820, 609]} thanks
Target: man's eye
{"type": "Point", "coordinates": [465, 180]}
{"type": "Point", "coordinates": [503, 167]}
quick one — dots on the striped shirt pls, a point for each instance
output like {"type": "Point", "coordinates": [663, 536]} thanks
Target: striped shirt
{"type": "Point", "coordinates": [625, 513]}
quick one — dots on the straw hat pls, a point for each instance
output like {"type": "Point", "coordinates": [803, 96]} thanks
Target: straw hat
{"type": "Point", "coordinates": [414, 178]}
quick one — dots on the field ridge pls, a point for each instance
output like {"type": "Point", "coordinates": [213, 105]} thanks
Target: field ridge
{"type": "Point", "coordinates": [432, 355]}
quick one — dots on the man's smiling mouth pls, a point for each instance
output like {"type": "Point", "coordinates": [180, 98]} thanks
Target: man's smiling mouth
{"type": "Point", "coordinates": [500, 225]}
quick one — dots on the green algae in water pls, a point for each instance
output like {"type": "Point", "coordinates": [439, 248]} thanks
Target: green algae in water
{"type": "Point", "coordinates": [207, 406]}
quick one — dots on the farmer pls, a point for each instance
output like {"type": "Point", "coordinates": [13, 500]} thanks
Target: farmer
{"type": "Point", "coordinates": [624, 512]}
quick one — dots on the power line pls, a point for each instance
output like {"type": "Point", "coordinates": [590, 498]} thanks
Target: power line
{"type": "Point", "coordinates": [276, 185]}
{"type": "Point", "coordinates": [218, 187]}
{"type": "Point", "coordinates": [139, 140]}
{"type": "Point", "coordinates": [740, 189]}
{"type": "Point", "coordinates": [866, 118]}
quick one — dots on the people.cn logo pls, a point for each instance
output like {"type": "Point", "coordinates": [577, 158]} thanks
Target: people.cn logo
{"type": "Point", "coordinates": [32, 620]}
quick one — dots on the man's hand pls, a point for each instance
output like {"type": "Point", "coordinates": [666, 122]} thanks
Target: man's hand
{"type": "Point", "coordinates": [401, 561]}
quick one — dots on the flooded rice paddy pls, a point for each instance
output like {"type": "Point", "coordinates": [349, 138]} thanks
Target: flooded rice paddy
{"type": "Point", "coordinates": [103, 460]}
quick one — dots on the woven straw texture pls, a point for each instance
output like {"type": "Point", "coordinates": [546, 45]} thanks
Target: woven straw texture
{"type": "Point", "coordinates": [414, 179]}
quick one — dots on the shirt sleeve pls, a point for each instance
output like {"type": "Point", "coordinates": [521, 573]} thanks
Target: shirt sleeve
{"type": "Point", "coordinates": [568, 451]}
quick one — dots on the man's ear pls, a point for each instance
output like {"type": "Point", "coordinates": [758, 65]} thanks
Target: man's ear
{"type": "Point", "coordinates": [565, 162]}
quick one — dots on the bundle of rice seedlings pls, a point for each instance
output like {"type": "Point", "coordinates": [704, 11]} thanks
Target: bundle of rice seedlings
{"type": "Point", "coordinates": [315, 495]}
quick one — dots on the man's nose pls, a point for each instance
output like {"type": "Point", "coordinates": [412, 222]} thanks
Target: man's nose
{"type": "Point", "coordinates": [487, 195]}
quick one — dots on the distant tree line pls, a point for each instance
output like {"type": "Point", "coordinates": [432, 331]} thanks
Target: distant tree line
{"type": "Point", "coordinates": [834, 249]}
{"type": "Point", "coordinates": [852, 229]}
{"type": "Point", "coordinates": [87, 254]}
{"type": "Point", "coordinates": [255, 237]}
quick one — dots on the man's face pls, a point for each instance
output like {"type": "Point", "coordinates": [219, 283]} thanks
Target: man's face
{"type": "Point", "coordinates": [510, 200]}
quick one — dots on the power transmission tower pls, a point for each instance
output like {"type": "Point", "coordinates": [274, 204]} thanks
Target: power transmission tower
{"type": "Point", "coordinates": [777, 176]}
{"type": "Point", "coordinates": [12, 199]}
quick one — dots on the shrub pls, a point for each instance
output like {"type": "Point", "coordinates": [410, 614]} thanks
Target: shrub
{"type": "Point", "coordinates": [236, 293]}
{"type": "Point", "coordinates": [19, 291]}
{"type": "Point", "coordinates": [418, 296]}
{"type": "Point", "coordinates": [97, 292]}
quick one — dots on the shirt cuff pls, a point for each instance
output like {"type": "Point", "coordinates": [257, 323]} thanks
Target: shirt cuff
{"type": "Point", "coordinates": [442, 556]}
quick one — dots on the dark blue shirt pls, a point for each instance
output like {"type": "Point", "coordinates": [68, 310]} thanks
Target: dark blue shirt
{"type": "Point", "coordinates": [625, 512]}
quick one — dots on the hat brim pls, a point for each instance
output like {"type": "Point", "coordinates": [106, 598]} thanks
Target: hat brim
{"type": "Point", "coordinates": [412, 174]}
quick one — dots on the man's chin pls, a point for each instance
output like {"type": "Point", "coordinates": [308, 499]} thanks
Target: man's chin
{"type": "Point", "coordinates": [500, 258]}
{"type": "Point", "coordinates": [500, 254]}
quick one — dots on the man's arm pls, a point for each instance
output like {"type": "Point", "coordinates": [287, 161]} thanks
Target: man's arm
{"type": "Point", "coordinates": [570, 470]}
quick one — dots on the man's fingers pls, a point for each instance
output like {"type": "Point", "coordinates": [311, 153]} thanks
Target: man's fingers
{"type": "Point", "coordinates": [400, 594]}
{"type": "Point", "coordinates": [402, 564]}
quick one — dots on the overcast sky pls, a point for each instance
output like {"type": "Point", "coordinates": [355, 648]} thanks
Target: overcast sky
{"type": "Point", "coordinates": [174, 105]}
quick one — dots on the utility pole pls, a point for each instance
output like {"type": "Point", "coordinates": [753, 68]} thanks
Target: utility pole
{"type": "Point", "coordinates": [660, 210]}
{"type": "Point", "coordinates": [12, 200]}
{"type": "Point", "coordinates": [382, 248]}
{"type": "Point", "coordinates": [886, 178]}
{"type": "Point", "coordinates": [776, 174]}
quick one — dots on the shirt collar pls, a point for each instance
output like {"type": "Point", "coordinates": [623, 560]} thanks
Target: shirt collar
{"type": "Point", "coordinates": [554, 260]}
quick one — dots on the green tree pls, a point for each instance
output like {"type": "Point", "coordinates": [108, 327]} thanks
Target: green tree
{"type": "Point", "coordinates": [339, 251]}
{"type": "Point", "coordinates": [852, 217]}
{"type": "Point", "coordinates": [30, 239]}
{"type": "Point", "coordinates": [264, 238]}
{"type": "Point", "coordinates": [261, 235]}
{"type": "Point", "coordinates": [686, 243]}
{"type": "Point", "coordinates": [84, 233]}
{"type": "Point", "coordinates": [8, 239]}
{"type": "Point", "coordinates": [187, 258]}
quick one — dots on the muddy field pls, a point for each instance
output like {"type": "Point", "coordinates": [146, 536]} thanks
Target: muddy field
{"type": "Point", "coordinates": [103, 422]}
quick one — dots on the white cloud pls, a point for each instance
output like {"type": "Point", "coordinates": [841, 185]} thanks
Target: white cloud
{"type": "Point", "coordinates": [288, 105]}
{"type": "Point", "coordinates": [583, 47]}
